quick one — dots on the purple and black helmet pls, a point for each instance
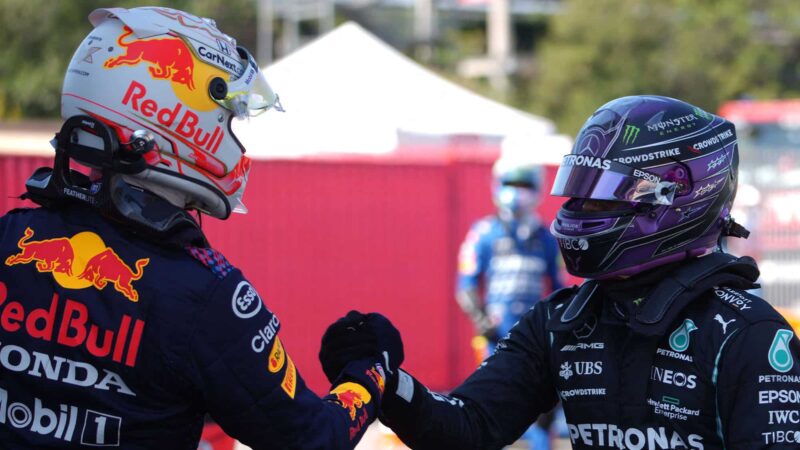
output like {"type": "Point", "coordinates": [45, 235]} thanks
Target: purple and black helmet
{"type": "Point", "coordinates": [668, 171]}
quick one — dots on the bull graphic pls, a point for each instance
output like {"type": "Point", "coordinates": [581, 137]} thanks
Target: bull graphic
{"type": "Point", "coordinates": [350, 401]}
{"type": "Point", "coordinates": [107, 267]}
{"type": "Point", "coordinates": [51, 255]}
{"type": "Point", "coordinates": [169, 58]}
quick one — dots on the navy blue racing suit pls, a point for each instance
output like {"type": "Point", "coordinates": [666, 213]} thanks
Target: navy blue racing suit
{"type": "Point", "coordinates": [695, 362]}
{"type": "Point", "coordinates": [111, 340]}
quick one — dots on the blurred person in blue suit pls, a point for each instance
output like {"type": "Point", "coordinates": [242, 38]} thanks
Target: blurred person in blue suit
{"type": "Point", "coordinates": [507, 263]}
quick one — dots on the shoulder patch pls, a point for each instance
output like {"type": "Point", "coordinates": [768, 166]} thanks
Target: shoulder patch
{"type": "Point", "coordinates": [749, 306]}
{"type": "Point", "coordinates": [213, 259]}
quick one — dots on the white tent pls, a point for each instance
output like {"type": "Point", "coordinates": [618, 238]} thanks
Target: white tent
{"type": "Point", "coordinates": [349, 92]}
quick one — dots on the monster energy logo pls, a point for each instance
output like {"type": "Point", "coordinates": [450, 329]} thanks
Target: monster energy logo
{"type": "Point", "coordinates": [780, 357]}
{"type": "Point", "coordinates": [631, 133]}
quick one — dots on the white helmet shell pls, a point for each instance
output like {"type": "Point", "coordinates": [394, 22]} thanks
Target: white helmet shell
{"type": "Point", "coordinates": [179, 78]}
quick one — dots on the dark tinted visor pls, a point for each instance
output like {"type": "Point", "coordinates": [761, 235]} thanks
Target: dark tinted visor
{"type": "Point", "coordinates": [583, 176]}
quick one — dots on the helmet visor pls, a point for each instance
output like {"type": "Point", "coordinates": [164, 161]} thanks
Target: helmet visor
{"type": "Point", "coordinates": [581, 176]}
{"type": "Point", "coordinates": [250, 94]}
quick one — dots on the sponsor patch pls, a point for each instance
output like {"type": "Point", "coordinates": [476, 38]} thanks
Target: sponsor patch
{"type": "Point", "coordinates": [246, 303]}
{"type": "Point", "coordinates": [566, 371]}
{"type": "Point", "coordinates": [780, 357]}
{"type": "Point", "coordinates": [56, 368]}
{"type": "Point", "coordinates": [733, 298]}
{"type": "Point", "coordinates": [779, 379]}
{"type": "Point", "coordinates": [80, 262]}
{"type": "Point", "coordinates": [708, 187]}
{"type": "Point", "coordinates": [670, 408]}
{"type": "Point", "coordinates": [586, 161]}
{"type": "Point", "coordinates": [377, 376]}
{"type": "Point", "coordinates": [351, 397]}
{"type": "Point", "coordinates": [781, 437]}
{"type": "Point", "coordinates": [657, 123]}
{"type": "Point", "coordinates": [573, 244]}
{"type": "Point", "coordinates": [585, 392]}
{"type": "Point", "coordinates": [716, 162]}
{"type": "Point", "coordinates": [674, 355]}
{"type": "Point", "coordinates": [277, 357]}
{"type": "Point", "coordinates": [652, 156]}
{"type": "Point", "coordinates": [289, 383]}
{"type": "Point", "coordinates": [724, 323]}
{"type": "Point", "coordinates": [583, 346]}
{"type": "Point", "coordinates": [630, 135]}
{"type": "Point", "coordinates": [262, 340]}
{"type": "Point", "coordinates": [607, 435]}
{"type": "Point", "coordinates": [784, 416]}
{"type": "Point", "coordinates": [673, 377]}
{"type": "Point", "coordinates": [67, 322]}
{"type": "Point", "coordinates": [680, 338]}
{"type": "Point", "coordinates": [63, 422]}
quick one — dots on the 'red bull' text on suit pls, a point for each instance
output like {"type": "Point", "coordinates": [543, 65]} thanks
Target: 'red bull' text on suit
{"type": "Point", "coordinates": [108, 339]}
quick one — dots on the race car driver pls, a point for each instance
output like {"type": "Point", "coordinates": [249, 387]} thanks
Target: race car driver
{"type": "Point", "coordinates": [119, 325]}
{"type": "Point", "coordinates": [662, 347]}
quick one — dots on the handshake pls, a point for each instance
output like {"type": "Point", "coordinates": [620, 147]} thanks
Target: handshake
{"type": "Point", "coordinates": [359, 336]}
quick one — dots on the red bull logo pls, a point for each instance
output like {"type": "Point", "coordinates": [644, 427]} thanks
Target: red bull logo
{"type": "Point", "coordinates": [352, 397]}
{"type": "Point", "coordinates": [173, 60]}
{"type": "Point", "coordinates": [168, 58]}
{"type": "Point", "coordinates": [178, 118]}
{"type": "Point", "coordinates": [79, 262]}
{"type": "Point", "coordinates": [107, 267]}
{"type": "Point", "coordinates": [66, 322]}
{"type": "Point", "coordinates": [377, 376]}
{"type": "Point", "coordinates": [50, 255]}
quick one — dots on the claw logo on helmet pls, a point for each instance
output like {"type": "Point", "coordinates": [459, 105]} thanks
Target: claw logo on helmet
{"type": "Point", "coordinates": [638, 207]}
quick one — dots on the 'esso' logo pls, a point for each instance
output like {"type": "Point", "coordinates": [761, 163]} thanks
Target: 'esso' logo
{"type": "Point", "coordinates": [246, 302]}
{"type": "Point", "coordinates": [573, 244]}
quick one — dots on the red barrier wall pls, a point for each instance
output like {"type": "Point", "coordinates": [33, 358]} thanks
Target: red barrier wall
{"type": "Point", "coordinates": [323, 237]}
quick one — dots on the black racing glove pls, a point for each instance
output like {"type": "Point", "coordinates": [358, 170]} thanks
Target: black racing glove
{"type": "Point", "coordinates": [360, 336]}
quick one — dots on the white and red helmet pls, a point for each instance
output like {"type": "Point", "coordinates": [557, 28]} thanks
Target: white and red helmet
{"type": "Point", "coordinates": [179, 81]}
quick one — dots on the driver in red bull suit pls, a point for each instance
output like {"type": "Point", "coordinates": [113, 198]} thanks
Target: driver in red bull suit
{"type": "Point", "coordinates": [119, 325]}
{"type": "Point", "coordinates": [662, 347]}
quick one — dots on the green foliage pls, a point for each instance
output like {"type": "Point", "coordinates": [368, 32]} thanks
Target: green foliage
{"type": "Point", "coordinates": [40, 36]}
{"type": "Point", "coordinates": [595, 50]}
{"type": "Point", "coordinates": [703, 52]}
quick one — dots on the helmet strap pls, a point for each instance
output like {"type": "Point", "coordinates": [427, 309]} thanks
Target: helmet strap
{"type": "Point", "coordinates": [145, 212]}
{"type": "Point", "coordinates": [733, 229]}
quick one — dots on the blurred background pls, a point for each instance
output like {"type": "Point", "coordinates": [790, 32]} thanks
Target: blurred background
{"type": "Point", "coordinates": [396, 109]}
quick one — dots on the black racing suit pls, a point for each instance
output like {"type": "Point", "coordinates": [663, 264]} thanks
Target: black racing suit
{"type": "Point", "coordinates": [111, 340]}
{"type": "Point", "coordinates": [695, 362]}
